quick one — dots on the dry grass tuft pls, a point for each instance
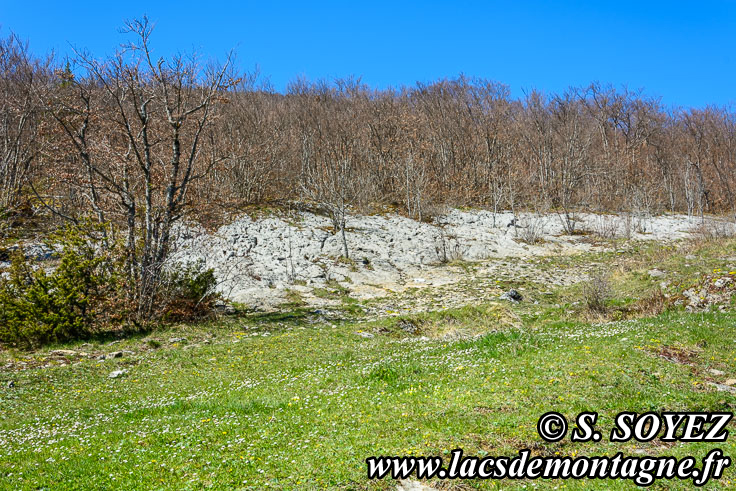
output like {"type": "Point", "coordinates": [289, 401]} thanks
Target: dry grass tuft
{"type": "Point", "coordinates": [597, 293]}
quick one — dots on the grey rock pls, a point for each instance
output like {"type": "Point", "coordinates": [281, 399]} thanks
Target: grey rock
{"type": "Point", "coordinates": [177, 340]}
{"type": "Point", "coordinates": [10, 384]}
{"type": "Point", "coordinates": [225, 308]}
{"type": "Point", "coordinates": [35, 251]}
{"type": "Point", "coordinates": [512, 296]}
{"type": "Point", "coordinates": [656, 273]}
{"type": "Point", "coordinates": [118, 373]}
{"type": "Point", "coordinates": [409, 485]}
{"type": "Point", "coordinates": [408, 327]}
{"type": "Point", "coordinates": [721, 282]}
{"type": "Point", "coordinates": [694, 299]}
{"type": "Point", "coordinates": [723, 388]}
{"type": "Point", "coordinates": [364, 334]}
{"type": "Point", "coordinates": [115, 354]}
{"type": "Point", "coordinates": [715, 372]}
{"type": "Point", "coordinates": [392, 245]}
{"type": "Point", "coordinates": [64, 352]}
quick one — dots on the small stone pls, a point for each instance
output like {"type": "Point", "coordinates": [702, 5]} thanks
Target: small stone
{"type": "Point", "coordinates": [177, 340]}
{"type": "Point", "coordinates": [408, 327]}
{"type": "Point", "coordinates": [364, 334]}
{"type": "Point", "coordinates": [10, 384]}
{"type": "Point", "coordinates": [656, 273]}
{"type": "Point", "coordinates": [715, 372]}
{"type": "Point", "coordinates": [721, 282]}
{"type": "Point", "coordinates": [118, 373]}
{"type": "Point", "coordinates": [731, 381]}
{"type": "Point", "coordinates": [224, 308]}
{"type": "Point", "coordinates": [115, 354]}
{"type": "Point", "coordinates": [64, 352]}
{"type": "Point", "coordinates": [512, 296]}
{"type": "Point", "coordinates": [723, 388]}
{"type": "Point", "coordinates": [408, 485]}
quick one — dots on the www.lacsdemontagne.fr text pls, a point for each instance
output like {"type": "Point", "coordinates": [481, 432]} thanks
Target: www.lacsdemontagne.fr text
{"type": "Point", "coordinates": [642, 470]}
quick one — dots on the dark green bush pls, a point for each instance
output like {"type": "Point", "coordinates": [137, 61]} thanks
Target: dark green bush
{"type": "Point", "coordinates": [86, 291]}
{"type": "Point", "coordinates": [40, 305]}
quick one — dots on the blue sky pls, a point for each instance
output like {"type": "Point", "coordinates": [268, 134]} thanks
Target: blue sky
{"type": "Point", "coordinates": [683, 52]}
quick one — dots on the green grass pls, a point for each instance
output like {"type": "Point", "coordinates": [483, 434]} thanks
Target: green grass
{"type": "Point", "coordinates": [287, 402]}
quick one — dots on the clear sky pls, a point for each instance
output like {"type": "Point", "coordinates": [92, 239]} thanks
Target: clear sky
{"type": "Point", "coordinates": [683, 52]}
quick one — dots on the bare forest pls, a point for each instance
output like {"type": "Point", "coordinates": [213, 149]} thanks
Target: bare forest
{"type": "Point", "coordinates": [133, 137]}
{"type": "Point", "coordinates": [135, 143]}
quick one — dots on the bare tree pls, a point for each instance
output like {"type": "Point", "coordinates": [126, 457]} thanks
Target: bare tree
{"type": "Point", "coordinates": [571, 158]}
{"type": "Point", "coordinates": [330, 173]}
{"type": "Point", "coordinates": [22, 79]}
{"type": "Point", "coordinates": [140, 128]}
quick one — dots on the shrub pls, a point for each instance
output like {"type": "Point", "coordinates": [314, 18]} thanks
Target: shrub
{"type": "Point", "coordinates": [533, 231]}
{"type": "Point", "coordinates": [714, 229]}
{"type": "Point", "coordinates": [39, 305]}
{"type": "Point", "coordinates": [654, 303]}
{"type": "Point", "coordinates": [597, 293]}
{"type": "Point", "coordinates": [607, 226]}
{"type": "Point", "coordinates": [188, 292]}
{"type": "Point", "coordinates": [84, 291]}
{"type": "Point", "coordinates": [447, 248]}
